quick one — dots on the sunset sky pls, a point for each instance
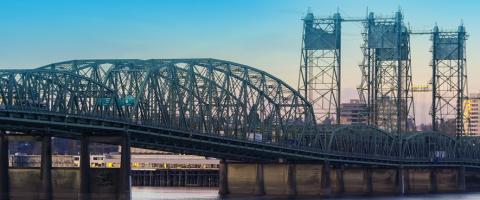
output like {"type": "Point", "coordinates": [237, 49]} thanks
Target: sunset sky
{"type": "Point", "coordinates": [262, 33]}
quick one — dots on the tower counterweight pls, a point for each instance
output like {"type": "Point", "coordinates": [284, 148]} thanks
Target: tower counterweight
{"type": "Point", "coordinates": [449, 81]}
{"type": "Point", "coordinates": [320, 67]}
{"type": "Point", "coordinates": [386, 85]}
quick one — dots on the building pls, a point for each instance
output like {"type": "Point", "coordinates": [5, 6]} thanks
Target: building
{"type": "Point", "coordinates": [134, 150]}
{"type": "Point", "coordinates": [471, 120]}
{"type": "Point", "coordinates": [112, 160]}
{"type": "Point", "coordinates": [353, 112]}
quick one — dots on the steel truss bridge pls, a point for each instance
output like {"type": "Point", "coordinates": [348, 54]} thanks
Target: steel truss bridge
{"type": "Point", "coordinates": [205, 107]}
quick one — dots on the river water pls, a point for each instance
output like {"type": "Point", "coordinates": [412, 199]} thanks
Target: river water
{"type": "Point", "coordinates": [152, 193]}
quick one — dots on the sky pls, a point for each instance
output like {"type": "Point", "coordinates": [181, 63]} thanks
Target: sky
{"type": "Point", "coordinates": [262, 33]}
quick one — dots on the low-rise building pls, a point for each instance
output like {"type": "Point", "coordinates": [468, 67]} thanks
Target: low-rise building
{"type": "Point", "coordinates": [354, 112]}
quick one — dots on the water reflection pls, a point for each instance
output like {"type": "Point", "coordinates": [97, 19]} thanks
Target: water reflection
{"type": "Point", "coordinates": [155, 193]}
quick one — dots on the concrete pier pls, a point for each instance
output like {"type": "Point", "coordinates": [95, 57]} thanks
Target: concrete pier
{"type": "Point", "coordinates": [276, 179]}
{"type": "Point", "coordinates": [46, 169]}
{"type": "Point", "coordinates": [433, 180]}
{"type": "Point", "coordinates": [418, 181]}
{"type": "Point", "coordinates": [355, 181]}
{"type": "Point", "coordinates": [4, 178]}
{"type": "Point", "coordinates": [340, 186]}
{"type": "Point", "coordinates": [125, 170]}
{"type": "Point", "coordinates": [260, 183]}
{"type": "Point", "coordinates": [369, 179]}
{"type": "Point", "coordinates": [25, 183]}
{"type": "Point", "coordinates": [291, 180]}
{"type": "Point", "coordinates": [472, 179]}
{"type": "Point", "coordinates": [46, 182]}
{"type": "Point", "coordinates": [84, 169]}
{"type": "Point", "coordinates": [235, 178]}
{"type": "Point", "coordinates": [287, 179]}
{"type": "Point", "coordinates": [401, 180]}
{"type": "Point", "coordinates": [326, 180]}
{"type": "Point", "coordinates": [309, 179]}
{"type": "Point", "coordinates": [461, 179]}
{"type": "Point", "coordinates": [383, 181]}
{"type": "Point", "coordinates": [223, 186]}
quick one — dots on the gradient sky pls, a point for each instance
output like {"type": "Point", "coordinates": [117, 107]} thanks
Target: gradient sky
{"type": "Point", "coordinates": [261, 33]}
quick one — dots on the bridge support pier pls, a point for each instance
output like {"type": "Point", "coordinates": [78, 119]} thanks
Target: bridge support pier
{"type": "Point", "coordinates": [46, 168]}
{"type": "Point", "coordinates": [402, 180]}
{"type": "Point", "coordinates": [85, 168]}
{"type": "Point", "coordinates": [433, 180]}
{"type": "Point", "coordinates": [340, 180]}
{"type": "Point", "coordinates": [260, 182]}
{"type": "Point", "coordinates": [324, 179]}
{"type": "Point", "coordinates": [326, 182]}
{"type": "Point", "coordinates": [461, 179]}
{"type": "Point", "coordinates": [291, 180]}
{"type": "Point", "coordinates": [369, 180]}
{"type": "Point", "coordinates": [223, 178]}
{"type": "Point", "coordinates": [125, 169]}
{"type": "Point", "coordinates": [4, 179]}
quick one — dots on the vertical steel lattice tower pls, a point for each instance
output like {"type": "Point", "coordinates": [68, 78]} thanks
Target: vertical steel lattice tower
{"type": "Point", "coordinates": [449, 81]}
{"type": "Point", "coordinates": [319, 79]}
{"type": "Point", "coordinates": [386, 85]}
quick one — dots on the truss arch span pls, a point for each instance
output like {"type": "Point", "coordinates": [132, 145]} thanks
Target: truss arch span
{"type": "Point", "coordinates": [205, 95]}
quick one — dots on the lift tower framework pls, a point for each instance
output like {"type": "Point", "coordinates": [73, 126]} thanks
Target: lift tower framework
{"type": "Point", "coordinates": [386, 86]}
{"type": "Point", "coordinates": [320, 66]}
{"type": "Point", "coordinates": [449, 81]}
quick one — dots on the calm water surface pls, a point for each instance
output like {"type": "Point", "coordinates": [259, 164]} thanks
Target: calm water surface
{"type": "Point", "coordinates": [151, 193]}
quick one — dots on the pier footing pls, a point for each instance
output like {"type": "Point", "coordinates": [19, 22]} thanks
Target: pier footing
{"type": "Point", "coordinates": [287, 179]}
